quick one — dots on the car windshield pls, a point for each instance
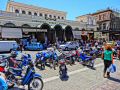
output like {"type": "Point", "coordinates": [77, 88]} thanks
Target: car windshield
{"type": "Point", "coordinates": [67, 42]}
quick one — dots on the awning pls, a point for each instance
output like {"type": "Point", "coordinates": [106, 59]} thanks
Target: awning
{"type": "Point", "coordinates": [77, 34]}
{"type": "Point", "coordinates": [11, 33]}
{"type": "Point", "coordinates": [29, 30]}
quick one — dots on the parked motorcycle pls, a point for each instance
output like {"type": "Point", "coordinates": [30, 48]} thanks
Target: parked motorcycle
{"type": "Point", "coordinates": [3, 63]}
{"type": "Point", "coordinates": [63, 70]}
{"type": "Point", "coordinates": [32, 79]}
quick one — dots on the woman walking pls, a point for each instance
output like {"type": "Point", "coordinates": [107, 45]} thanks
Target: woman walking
{"type": "Point", "coordinates": [108, 59]}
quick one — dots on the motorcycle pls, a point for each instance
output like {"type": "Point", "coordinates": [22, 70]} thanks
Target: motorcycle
{"type": "Point", "coordinates": [3, 63]}
{"type": "Point", "coordinates": [63, 70]}
{"type": "Point", "coordinates": [32, 79]}
{"type": "Point", "coordinates": [40, 59]}
{"type": "Point", "coordinates": [87, 60]}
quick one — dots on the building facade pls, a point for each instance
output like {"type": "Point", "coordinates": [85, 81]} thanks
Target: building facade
{"type": "Point", "coordinates": [91, 25]}
{"type": "Point", "coordinates": [108, 22]}
{"type": "Point", "coordinates": [41, 23]}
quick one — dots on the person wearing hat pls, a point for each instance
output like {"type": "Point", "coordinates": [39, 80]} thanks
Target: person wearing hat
{"type": "Point", "coordinates": [107, 56]}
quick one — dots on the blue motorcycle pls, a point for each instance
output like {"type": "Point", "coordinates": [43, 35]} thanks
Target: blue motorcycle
{"type": "Point", "coordinates": [32, 79]}
{"type": "Point", "coordinates": [40, 59]}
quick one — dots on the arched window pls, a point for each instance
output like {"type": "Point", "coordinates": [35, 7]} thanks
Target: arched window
{"type": "Point", "coordinates": [58, 17]}
{"type": "Point", "coordinates": [50, 16]}
{"type": "Point", "coordinates": [62, 17]}
{"type": "Point", "coordinates": [23, 12]}
{"type": "Point", "coordinates": [45, 15]}
{"type": "Point", "coordinates": [40, 14]}
{"type": "Point", "coordinates": [29, 13]}
{"type": "Point", "coordinates": [35, 14]}
{"type": "Point", "coordinates": [16, 11]}
{"type": "Point", "coordinates": [55, 17]}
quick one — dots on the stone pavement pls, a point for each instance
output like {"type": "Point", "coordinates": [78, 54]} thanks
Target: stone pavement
{"type": "Point", "coordinates": [87, 80]}
{"type": "Point", "coordinates": [80, 78]}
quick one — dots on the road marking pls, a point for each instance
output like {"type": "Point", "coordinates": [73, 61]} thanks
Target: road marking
{"type": "Point", "coordinates": [70, 73]}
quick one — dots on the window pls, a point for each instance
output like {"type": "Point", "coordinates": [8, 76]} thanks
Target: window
{"type": "Point", "coordinates": [58, 17]}
{"type": "Point", "coordinates": [99, 17]}
{"type": "Point", "coordinates": [16, 11]}
{"type": "Point", "coordinates": [45, 15]}
{"type": "Point", "coordinates": [29, 13]}
{"type": "Point", "coordinates": [62, 17]}
{"type": "Point", "coordinates": [104, 15]}
{"type": "Point", "coordinates": [50, 16]}
{"type": "Point", "coordinates": [23, 12]}
{"type": "Point", "coordinates": [35, 14]}
{"type": "Point", "coordinates": [40, 14]}
{"type": "Point", "coordinates": [55, 17]}
{"type": "Point", "coordinates": [104, 26]}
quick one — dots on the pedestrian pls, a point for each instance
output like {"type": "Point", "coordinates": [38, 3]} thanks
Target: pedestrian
{"type": "Point", "coordinates": [21, 46]}
{"type": "Point", "coordinates": [118, 53]}
{"type": "Point", "coordinates": [108, 60]}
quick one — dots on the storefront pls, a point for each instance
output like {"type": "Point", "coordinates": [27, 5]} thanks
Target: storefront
{"type": "Point", "coordinates": [38, 34]}
{"type": "Point", "coordinates": [114, 35]}
{"type": "Point", "coordinates": [84, 35]}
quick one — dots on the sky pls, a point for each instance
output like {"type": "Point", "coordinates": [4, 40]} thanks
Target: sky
{"type": "Point", "coordinates": [73, 8]}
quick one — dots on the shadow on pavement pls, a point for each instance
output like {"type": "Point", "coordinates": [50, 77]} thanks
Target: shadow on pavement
{"type": "Point", "coordinates": [65, 78]}
{"type": "Point", "coordinates": [114, 79]}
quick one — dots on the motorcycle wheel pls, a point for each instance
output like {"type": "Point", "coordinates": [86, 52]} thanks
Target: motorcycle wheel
{"type": "Point", "coordinates": [35, 84]}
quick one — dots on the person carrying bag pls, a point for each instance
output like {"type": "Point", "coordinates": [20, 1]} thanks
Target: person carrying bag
{"type": "Point", "coordinates": [112, 67]}
{"type": "Point", "coordinates": [107, 56]}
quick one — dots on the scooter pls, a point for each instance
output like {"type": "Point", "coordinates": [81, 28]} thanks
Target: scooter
{"type": "Point", "coordinates": [63, 70]}
{"type": "Point", "coordinates": [40, 59]}
{"type": "Point", "coordinates": [32, 79]}
{"type": "Point", "coordinates": [3, 63]}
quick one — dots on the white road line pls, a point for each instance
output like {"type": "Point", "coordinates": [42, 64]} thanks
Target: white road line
{"type": "Point", "coordinates": [70, 73]}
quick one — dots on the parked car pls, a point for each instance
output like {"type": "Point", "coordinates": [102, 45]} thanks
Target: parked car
{"type": "Point", "coordinates": [6, 46]}
{"type": "Point", "coordinates": [34, 46]}
{"type": "Point", "coordinates": [69, 45]}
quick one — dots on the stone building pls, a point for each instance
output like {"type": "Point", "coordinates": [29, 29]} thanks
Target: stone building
{"type": "Point", "coordinates": [91, 25]}
{"type": "Point", "coordinates": [108, 22]}
{"type": "Point", "coordinates": [22, 21]}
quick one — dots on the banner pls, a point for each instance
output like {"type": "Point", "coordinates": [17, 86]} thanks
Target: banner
{"type": "Point", "coordinates": [11, 33]}
{"type": "Point", "coordinates": [77, 34]}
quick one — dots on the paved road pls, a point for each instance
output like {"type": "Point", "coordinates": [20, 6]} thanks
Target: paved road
{"type": "Point", "coordinates": [80, 78]}
{"type": "Point", "coordinates": [86, 79]}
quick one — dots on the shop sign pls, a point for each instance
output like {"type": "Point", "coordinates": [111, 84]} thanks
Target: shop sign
{"type": "Point", "coordinates": [97, 34]}
{"type": "Point", "coordinates": [29, 30]}
{"type": "Point", "coordinates": [90, 31]}
{"type": "Point", "coordinates": [11, 33]}
{"type": "Point", "coordinates": [41, 30]}
{"type": "Point", "coordinates": [50, 22]}
{"type": "Point", "coordinates": [54, 19]}
{"type": "Point", "coordinates": [77, 34]}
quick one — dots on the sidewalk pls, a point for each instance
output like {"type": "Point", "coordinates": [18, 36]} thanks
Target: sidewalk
{"type": "Point", "coordinates": [87, 80]}
{"type": "Point", "coordinates": [113, 83]}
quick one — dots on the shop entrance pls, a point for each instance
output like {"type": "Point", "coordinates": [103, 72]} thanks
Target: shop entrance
{"type": "Point", "coordinates": [68, 33]}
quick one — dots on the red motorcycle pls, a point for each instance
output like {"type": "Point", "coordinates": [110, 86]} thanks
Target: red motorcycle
{"type": "Point", "coordinates": [3, 63]}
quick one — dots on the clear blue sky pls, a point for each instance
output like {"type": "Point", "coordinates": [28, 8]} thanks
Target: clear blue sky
{"type": "Point", "coordinates": [73, 8]}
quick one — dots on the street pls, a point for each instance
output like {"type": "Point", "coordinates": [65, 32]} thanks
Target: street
{"type": "Point", "coordinates": [80, 78]}
{"type": "Point", "coordinates": [86, 79]}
